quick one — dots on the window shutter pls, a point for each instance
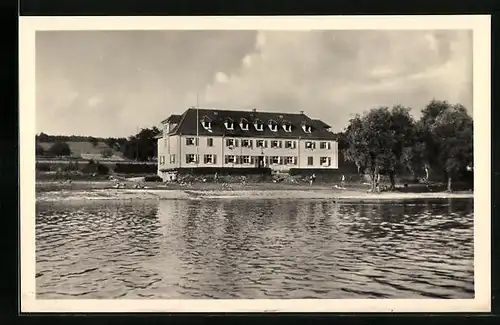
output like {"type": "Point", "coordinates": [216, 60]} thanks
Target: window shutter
{"type": "Point", "coordinates": [252, 160]}
{"type": "Point", "coordinates": [282, 159]}
{"type": "Point", "coordinates": [329, 161]}
{"type": "Point", "coordinates": [267, 160]}
{"type": "Point", "coordinates": [187, 159]}
{"type": "Point", "coordinates": [265, 143]}
{"type": "Point", "coordinates": [226, 159]}
{"type": "Point", "coordinates": [280, 143]}
{"type": "Point", "coordinates": [215, 159]}
{"type": "Point", "coordinates": [197, 141]}
{"type": "Point", "coordinates": [238, 160]}
{"type": "Point", "coordinates": [187, 141]}
{"type": "Point", "coordinates": [314, 145]}
{"type": "Point", "coordinates": [236, 143]}
{"type": "Point", "coordinates": [295, 160]}
{"type": "Point", "coordinates": [329, 145]}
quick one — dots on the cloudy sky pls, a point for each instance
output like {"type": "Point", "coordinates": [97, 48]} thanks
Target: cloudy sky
{"type": "Point", "coordinates": [108, 83]}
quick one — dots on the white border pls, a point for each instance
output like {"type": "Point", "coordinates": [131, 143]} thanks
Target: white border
{"type": "Point", "coordinates": [481, 103]}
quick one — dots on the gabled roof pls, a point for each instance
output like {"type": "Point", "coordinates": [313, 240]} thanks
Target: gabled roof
{"type": "Point", "coordinates": [174, 118]}
{"type": "Point", "coordinates": [187, 124]}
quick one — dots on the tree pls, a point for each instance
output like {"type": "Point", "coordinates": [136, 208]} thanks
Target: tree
{"type": "Point", "coordinates": [39, 151]}
{"type": "Point", "coordinates": [107, 153]}
{"type": "Point", "coordinates": [142, 146]}
{"type": "Point", "coordinates": [60, 149]}
{"type": "Point", "coordinates": [379, 142]}
{"type": "Point", "coordinates": [452, 136]}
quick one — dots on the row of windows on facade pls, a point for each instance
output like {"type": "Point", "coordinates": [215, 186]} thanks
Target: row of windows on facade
{"type": "Point", "coordinates": [247, 143]}
{"type": "Point", "coordinates": [245, 126]}
{"type": "Point", "coordinates": [234, 159]}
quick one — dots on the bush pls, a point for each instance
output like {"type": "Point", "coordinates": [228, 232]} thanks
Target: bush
{"type": "Point", "coordinates": [43, 167]}
{"type": "Point", "coordinates": [60, 149]}
{"type": "Point", "coordinates": [127, 168]}
{"type": "Point", "coordinates": [155, 178]}
{"type": "Point", "coordinates": [96, 168]}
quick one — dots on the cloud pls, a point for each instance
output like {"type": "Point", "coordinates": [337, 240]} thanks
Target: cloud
{"type": "Point", "coordinates": [107, 83]}
{"type": "Point", "coordinates": [332, 75]}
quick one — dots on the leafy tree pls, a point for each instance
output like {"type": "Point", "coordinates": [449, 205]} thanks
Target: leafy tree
{"type": "Point", "coordinates": [452, 135]}
{"type": "Point", "coordinates": [39, 151]}
{"type": "Point", "coordinates": [60, 149]}
{"type": "Point", "coordinates": [378, 142]}
{"type": "Point", "coordinates": [142, 146]}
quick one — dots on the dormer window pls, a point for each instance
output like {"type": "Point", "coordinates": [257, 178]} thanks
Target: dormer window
{"type": "Point", "coordinates": [229, 125]}
{"type": "Point", "coordinates": [307, 128]}
{"type": "Point", "coordinates": [287, 127]}
{"type": "Point", "coordinates": [273, 126]}
{"type": "Point", "coordinates": [259, 126]}
{"type": "Point", "coordinates": [206, 124]}
{"type": "Point", "coordinates": [244, 125]}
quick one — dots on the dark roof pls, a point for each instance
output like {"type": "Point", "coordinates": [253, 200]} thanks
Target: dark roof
{"type": "Point", "coordinates": [189, 123]}
{"type": "Point", "coordinates": [174, 118]}
{"type": "Point", "coordinates": [320, 122]}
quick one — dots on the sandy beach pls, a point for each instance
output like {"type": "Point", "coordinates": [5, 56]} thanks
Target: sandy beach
{"type": "Point", "coordinates": [76, 191]}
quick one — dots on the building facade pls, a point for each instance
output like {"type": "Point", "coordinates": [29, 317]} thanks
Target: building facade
{"type": "Point", "coordinates": [245, 139]}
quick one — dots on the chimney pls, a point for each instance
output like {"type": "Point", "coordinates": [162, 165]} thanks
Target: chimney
{"type": "Point", "coordinates": [254, 110]}
{"type": "Point", "coordinates": [301, 112]}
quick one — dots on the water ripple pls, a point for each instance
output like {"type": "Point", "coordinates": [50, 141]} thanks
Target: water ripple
{"type": "Point", "coordinates": [279, 249]}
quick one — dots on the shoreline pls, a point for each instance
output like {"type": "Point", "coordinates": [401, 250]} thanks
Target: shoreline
{"type": "Point", "coordinates": [99, 191]}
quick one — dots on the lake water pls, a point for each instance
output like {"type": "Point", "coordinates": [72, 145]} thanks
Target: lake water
{"type": "Point", "coordinates": [255, 249]}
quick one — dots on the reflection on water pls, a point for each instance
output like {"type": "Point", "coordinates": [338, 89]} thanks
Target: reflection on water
{"type": "Point", "coordinates": [255, 249]}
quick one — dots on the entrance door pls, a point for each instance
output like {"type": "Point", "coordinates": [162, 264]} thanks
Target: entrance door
{"type": "Point", "coordinates": [260, 162]}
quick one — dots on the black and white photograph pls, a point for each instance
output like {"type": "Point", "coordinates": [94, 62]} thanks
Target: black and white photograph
{"type": "Point", "coordinates": [270, 164]}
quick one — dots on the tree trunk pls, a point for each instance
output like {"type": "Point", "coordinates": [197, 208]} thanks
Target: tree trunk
{"type": "Point", "coordinates": [449, 184]}
{"type": "Point", "coordinates": [393, 181]}
{"type": "Point", "coordinates": [374, 181]}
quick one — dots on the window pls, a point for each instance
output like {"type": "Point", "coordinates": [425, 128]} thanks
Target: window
{"type": "Point", "coordinates": [275, 160]}
{"type": "Point", "coordinates": [275, 144]}
{"type": "Point", "coordinates": [210, 142]}
{"type": "Point", "coordinates": [306, 128]}
{"type": "Point", "coordinates": [206, 124]}
{"type": "Point", "coordinates": [229, 143]}
{"type": "Point", "coordinates": [244, 126]}
{"type": "Point", "coordinates": [310, 145]}
{"type": "Point", "coordinates": [259, 126]}
{"type": "Point", "coordinates": [287, 128]}
{"type": "Point", "coordinates": [290, 144]}
{"type": "Point", "coordinates": [310, 161]}
{"type": "Point", "coordinates": [324, 161]}
{"type": "Point", "coordinates": [230, 159]}
{"type": "Point", "coordinates": [246, 143]}
{"type": "Point", "coordinates": [209, 159]}
{"type": "Point", "coordinates": [162, 160]}
{"type": "Point", "coordinates": [259, 143]}
{"type": "Point", "coordinates": [172, 159]}
{"type": "Point", "coordinates": [191, 158]}
{"type": "Point", "coordinates": [289, 160]}
{"type": "Point", "coordinates": [191, 141]}
{"type": "Point", "coordinates": [229, 125]}
{"type": "Point", "coordinates": [273, 127]}
{"type": "Point", "coordinates": [245, 159]}
{"type": "Point", "coordinates": [324, 145]}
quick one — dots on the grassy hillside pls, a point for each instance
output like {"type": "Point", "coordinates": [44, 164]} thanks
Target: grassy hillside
{"type": "Point", "coordinates": [87, 150]}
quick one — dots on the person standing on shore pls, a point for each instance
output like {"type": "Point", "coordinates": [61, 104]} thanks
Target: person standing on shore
{"type": "Point", "coordinates": [342, 181]}
{"type": "Point", "coordinates": [313, 178]}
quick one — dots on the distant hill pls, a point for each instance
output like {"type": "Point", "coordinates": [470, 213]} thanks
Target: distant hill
{"type": "Point", "coordinates": [87, 150]}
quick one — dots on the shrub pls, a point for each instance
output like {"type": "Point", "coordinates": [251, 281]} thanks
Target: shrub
{"type": "Point", "coordinates": [127, 168]}
{"type": "Point", "coordinates": [155, 178]}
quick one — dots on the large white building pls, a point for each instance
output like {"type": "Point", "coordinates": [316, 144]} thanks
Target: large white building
{"type": "Point", "coordinates": [245, 139]}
